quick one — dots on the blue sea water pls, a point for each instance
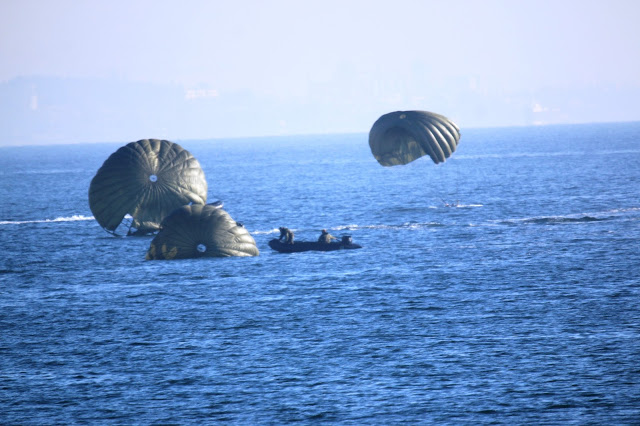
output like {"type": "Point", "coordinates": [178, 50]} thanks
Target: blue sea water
{"type": "Point", "coordinates": [517, 303]}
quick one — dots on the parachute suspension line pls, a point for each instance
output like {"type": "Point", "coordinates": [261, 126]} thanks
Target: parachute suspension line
{"type": "Point", "coordinates": [125, 224]}
{"type": "Point", "coordinates": [130, 226]}
{"type": "Point", "coordinates": [456, 178]}
{"type": "Point", "coordinates": [455, 195]}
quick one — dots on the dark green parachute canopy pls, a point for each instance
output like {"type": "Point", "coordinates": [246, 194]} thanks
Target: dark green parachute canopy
{"type": "Point", "coordinates": [147, 180]}
{"type": "Point", "coordinates": [400, 137]}
{"type": "Point", "coordinates": [201, 231]}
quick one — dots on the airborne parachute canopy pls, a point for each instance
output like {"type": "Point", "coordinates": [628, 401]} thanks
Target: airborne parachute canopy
{"type": "Point", "coordinates": [145, 180]}
{"type": "Point", "coordinates": [201, 231]}
{"type": "Point", "coordinates": [401, 137]}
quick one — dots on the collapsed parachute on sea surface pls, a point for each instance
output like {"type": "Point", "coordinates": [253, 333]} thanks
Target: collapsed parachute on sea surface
{"type": "Point", "coordinates": [142, 182]}
{"type": "Point", "coordinates": [400, 137]}
{"type": "Point", "coordinates": [201, 231]}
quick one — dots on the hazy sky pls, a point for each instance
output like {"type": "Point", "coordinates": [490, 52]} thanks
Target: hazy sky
{"type": "Point", "coordinates": [387, 54]}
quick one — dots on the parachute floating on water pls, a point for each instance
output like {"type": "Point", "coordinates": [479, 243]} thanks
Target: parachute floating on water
{"type": "Point", "coordinates": [401, 137]}
{"type": "Point", "coordinates": [201, 231]}
{"type": "Point", "coordinates": [145, 180]}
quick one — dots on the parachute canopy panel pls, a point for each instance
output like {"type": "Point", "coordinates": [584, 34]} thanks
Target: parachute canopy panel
{"type": "Point", "coordinates": [147, 179]}
{"type": "Point", "coordinates": [400, 137]}
{"type": "Point", "coordinates": [201, 231]}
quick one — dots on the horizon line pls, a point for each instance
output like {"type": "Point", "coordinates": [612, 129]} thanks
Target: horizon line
{"type": "Point", "coordinates": [292, 135]}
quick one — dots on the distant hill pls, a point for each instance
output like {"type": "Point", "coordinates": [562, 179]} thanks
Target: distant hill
{"type": "Point", "coordinates": [46, 110]}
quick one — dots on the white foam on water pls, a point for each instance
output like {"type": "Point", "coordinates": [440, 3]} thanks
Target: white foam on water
{"type": "Point", "coordinates": [74, 218]}
{"type": "Point", "coordinates": [271, 231]}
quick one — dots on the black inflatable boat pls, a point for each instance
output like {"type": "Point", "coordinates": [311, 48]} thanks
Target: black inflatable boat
{"type": "Point", "coordinates": [299, 246]}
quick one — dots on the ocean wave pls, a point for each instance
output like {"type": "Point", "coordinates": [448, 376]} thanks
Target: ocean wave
{"type": "Point", "coordinates": [41, 172]}
{"type": "Point", "coordinates": [270, 231]}
{"type": "Point", "coordinates": [560, 219]}
{"type": "Point", "coordinates": [570, 218]}
{"type": "Point", "coordinates": [623, 210]}
{"type": "Point", "coordinates": [453, 205]}
{"type": "Point", "coordinates": [549, 220]}
{"type": "Point", "coordinates": [545, 154]}
{"type": "Point", "coordinates": [406, 225]}
{"type": "Point", "coordinates": [462, 206]}
{"type": "Point", "coordinates": [74, 218]}
{"type": "Point", "coordinates": [354, 227]}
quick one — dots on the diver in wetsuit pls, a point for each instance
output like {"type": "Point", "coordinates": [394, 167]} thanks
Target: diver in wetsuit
{"type": "Point", "coordinates": [286, 234]}
{"type": "Point", "coordinates": [325, 237]}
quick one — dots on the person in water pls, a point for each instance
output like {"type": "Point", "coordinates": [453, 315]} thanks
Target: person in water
{"type": "Point", "coordinates": [286, 234]}
{"type": "Point", "coordinates": [325, 237]}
